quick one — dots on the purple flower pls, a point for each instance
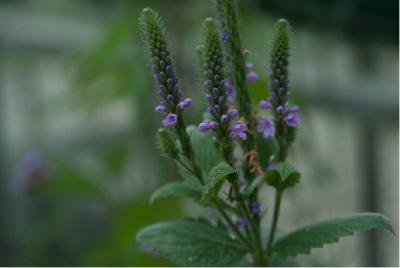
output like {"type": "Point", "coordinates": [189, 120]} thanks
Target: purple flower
{"type": "Point", "coordinates": [255, 209]}
{"type": "Point", "coordinates": [170, 120]}
{"type": "Point", "coordinates": [224, 118]}
{"type": "Point", "coordinates": [265, 104]}
{"type": "Point", "coordinates": [224, 36]}
{"type": "Point", "coordinates": [238, 130]}
{"type": "Point", "coordinates": [241, 223]}
{"type": "Point", "coordinates": [232, 114]}
{"type": "Point", "coordinates": [249, 65]}
{"type": "Point", "coordinates": [280, 109]}
{"type": "Point", "coordinates": [207, 125]}
{"type": "Point", "coordinates": [252, 77]}
{"type": "Point", "coordinates": [185, 103]}
{"type": "Point", "coordinates": [266, 126]}
{"type": "Point", "coordinates": [230, 91]}
{"type": "Point", "coordinates": [161, 108]}
{"type": "Point", "coordinates": [293, 109]}
{"type": "Point", "coordinates": [292, 120]}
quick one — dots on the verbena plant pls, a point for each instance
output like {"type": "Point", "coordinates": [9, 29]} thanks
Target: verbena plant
{"type": "Point", "coordinates": [234, 149]}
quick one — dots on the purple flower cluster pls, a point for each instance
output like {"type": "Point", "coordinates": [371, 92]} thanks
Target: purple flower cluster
{"type": "Point", "coordinates": [168, 90]}
{"type": "Point", "coordinates": [217, 93]}
{"type": "Point", "coordinates": [218, 90]}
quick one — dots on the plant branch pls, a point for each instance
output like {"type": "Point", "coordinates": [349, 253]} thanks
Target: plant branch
{"type": "Point", "coordinates": [277, 205]}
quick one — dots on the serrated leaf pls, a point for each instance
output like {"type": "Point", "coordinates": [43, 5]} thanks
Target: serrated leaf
{"type": "Point", "coordinates": [282, 176]}
{"type": "Point", "coordinates": [306, 238]}
{"type": "Point", "coordinates": [214, 181]}
{"type": "Point", "coordinates": [192, 243]}
{"type": "Point", "coordinates": [174, 189]}
{"type": "Point", "coordinates": [205, 151]}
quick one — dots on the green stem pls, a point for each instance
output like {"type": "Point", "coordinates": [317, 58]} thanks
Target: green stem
{"type": "Point", "coordinates": [231, 224]}
{"type": "Point", "coordinates": [278, 198]}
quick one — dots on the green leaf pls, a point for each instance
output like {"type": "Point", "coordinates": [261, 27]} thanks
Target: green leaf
{"type": "Point", "coordinates": [205, 151]}
{"type": "Point", "coordinates": [174, 189]}
{"type": "Point", "coordinates": [215, 180]}
{"type": "Point", "coordinates": [282, 176]}
{"type": "Point", "coordinates": [306, 238]}
{"type": "Point", "coordinates": [276, 260]}
{"type": "Point", "coordinates": [265, 148]}
{"type": "Point", "coordinates": [190, 180]}
{"type": "Point", "coordinates": [192, 243]}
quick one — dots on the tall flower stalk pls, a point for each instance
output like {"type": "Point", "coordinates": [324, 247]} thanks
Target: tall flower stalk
{"type": "Point", "coordinates": [228, 17]}
{"type": "Point", "coordinates": [284, 117]}
{"type": "Point", "coordinates": [236, 236]}
{"type": "Point", "coordinates": [170, 95]}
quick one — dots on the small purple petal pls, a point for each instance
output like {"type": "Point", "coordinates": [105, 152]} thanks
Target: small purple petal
{"type": "Point", "coordinates": [280, 109]}
{"type": "Point", "coordinates": [266, 126]}
{"type": "Point", "coordinates": [185, 103]}
{"type": "Point", "coordinates": [213, 125]}
{"type": "Point", "coordinates": [255, 209]}
{"type": "Point", "coordinates": [224, 118]}
{"type": "Point", "coordinates": [204, 126]}
{"type": "Point", "coordinates": [293, 109]}
{"type": "Point", "coordinates": [170, 120]}
{"type": "Point", "coordinates": [170, 97]}
{"type": "Point", "coordinates": [252, 77]}
{"type": "Point", "coordinates": [161, 108]}
{"type": "Point", "coordinates": [249, 65]}
{"type": "Point", "coordinates": [232, 114]}
{"type": "Point", "coordinates": [238, 130]}
{"type": "Point", "coordinates": [170, 81]}
{"type": "Point", "coordinates": [292, 120]}
{"type": "Point", "coordinates": [230, 90]}
{"type": "Point", "coordinates": [224, 36]}
{"type": "Point", "coordinates": [207, 83]}
{"type": "Point", "coordinates": [265, 104]}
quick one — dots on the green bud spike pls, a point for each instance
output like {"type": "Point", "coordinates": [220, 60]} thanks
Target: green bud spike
{"type": "Point", "coordinates": [166, 144]}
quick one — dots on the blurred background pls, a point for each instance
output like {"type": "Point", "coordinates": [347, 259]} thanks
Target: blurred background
{"type": "Point", "coordinates": [77, 156]}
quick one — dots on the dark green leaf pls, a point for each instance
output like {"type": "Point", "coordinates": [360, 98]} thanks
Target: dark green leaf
{"type": "Point", "coordinates": [278, 261]}
{"type": "Point", "coordinates": [206, 153]}
{"type": "Point", "coordinates": [214, 181]}
{"type": "Point", "coordinates": [306, 238]}
{"type": "Point", "coordinates": [192, 243]}
{"type": "Point", "coordinates": [282, 176]}
{"type": "Point", "coordinates": [265, 148]}
{"type": "Point", "coordinates": [174, 189]}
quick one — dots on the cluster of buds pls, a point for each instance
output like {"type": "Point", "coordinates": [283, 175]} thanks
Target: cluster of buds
{"type": "Point", "coordinates": [218, 91]}
{"type": "Point", "coordinates": [163, 68]}
{"type": "Point", "coordinates": [284, 116]}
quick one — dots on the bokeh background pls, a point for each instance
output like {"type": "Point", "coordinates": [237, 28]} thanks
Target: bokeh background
{"type": "Point", "coordinates": [77, 156]}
